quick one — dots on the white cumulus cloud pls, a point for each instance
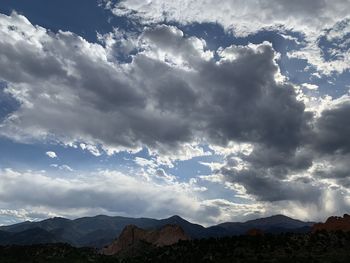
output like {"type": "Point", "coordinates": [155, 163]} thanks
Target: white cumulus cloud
{"type": "Point", "coordinates": [51, 154]}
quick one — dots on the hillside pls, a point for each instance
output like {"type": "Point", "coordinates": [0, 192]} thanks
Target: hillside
{"type": "Point", "coordinates": [101, 230]}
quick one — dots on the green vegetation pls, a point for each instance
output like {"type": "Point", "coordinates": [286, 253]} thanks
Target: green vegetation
{"type": "Point", "coordinates": [319, 247]}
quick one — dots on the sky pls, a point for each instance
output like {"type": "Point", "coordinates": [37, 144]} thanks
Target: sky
{"type": "Point", "coordinates": [214, 111]}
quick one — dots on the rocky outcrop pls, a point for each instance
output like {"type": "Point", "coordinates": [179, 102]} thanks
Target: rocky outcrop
{"type": "Point", "coordinates": [334, 223]}
{"type": "Point", "coordinates": [132, 236]}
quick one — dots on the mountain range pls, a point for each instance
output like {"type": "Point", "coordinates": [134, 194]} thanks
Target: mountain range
{"type": "Point", "coordinates": [101, 230]}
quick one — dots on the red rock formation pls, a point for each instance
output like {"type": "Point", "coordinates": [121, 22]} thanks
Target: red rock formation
{"type": "Point", "coordinates": [254, 232]}
{"type": "Point", "coordinates": [334, 223]}
{"type": "Point", "coordinates": [132, 235]}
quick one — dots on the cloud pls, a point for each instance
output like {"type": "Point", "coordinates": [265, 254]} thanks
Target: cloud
{"type": "Point", "coordinates": [314, 178]}
{"type": "Point", "coordinates": [91, 148]}
{"type": "Point", "coordinates": [329, 49]}
{"type": "Point", "coordinates": [331, 144]}
{"type": "Point", "coordinates": [63, 167]}
{"type": "Point", "coordinates": [108, 191]}
{"type": "Point", "coordinates": [240, 15]}
{"type": "Point", "coordinates": [37, 195]}
{"type": "Point", "coordinates": [163, 99]}
{"type": "Point", "coordinates": [12, 216]}
{"type": "Point", "coordinates": [310, 18]}
{"type": "Point", "coordinates": [304, 196]}
{"type": "Point", "coordinates": [332, 128]}
{"type": "Point", "coordinates": [268, 188]}
{"type": "Point", "coordinates": [51, 154]}
{"type": "Point", "coordinates": [175, 98]}
{"type": "Point", "coordinates": [309, 86]}
{"type": "Point", "coordinates": [228, 211]}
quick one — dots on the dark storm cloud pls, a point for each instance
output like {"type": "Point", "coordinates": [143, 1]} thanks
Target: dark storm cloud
{"type": "Point", "coordinates": [266, 175]}
{"type": "Point", "coordinates": [325, 149]}
{"type": "Point", "coordinates": [265, 187]}
{"type": "Point", "coordinates": [331, 144]}
{"type": "Point", "coordinates": [23, 64]}
{"type": "Point", "coordinates": [249, 105]}
{"type": "Point", "coordinates": [330, 136]}
{"type": "Point", "coordinates": [280, 162]}
{"type": "Point", "coordinates": [235, 99]}
{"type": "Point", "coordinates": [336, 167]}
{"type": "Point", "coordinates": [333, 130]}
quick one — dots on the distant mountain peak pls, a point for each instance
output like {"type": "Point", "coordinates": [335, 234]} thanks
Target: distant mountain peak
{"type": "Point", "coordinates": [176, 217]}
{"type": "Point", "coordinates": [279, 218]}
{"type": "Point", "coordinates": [59, 218]}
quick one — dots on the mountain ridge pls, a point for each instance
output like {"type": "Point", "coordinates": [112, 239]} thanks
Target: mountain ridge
{"type": "Point", "coordinates": [99, 231]}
